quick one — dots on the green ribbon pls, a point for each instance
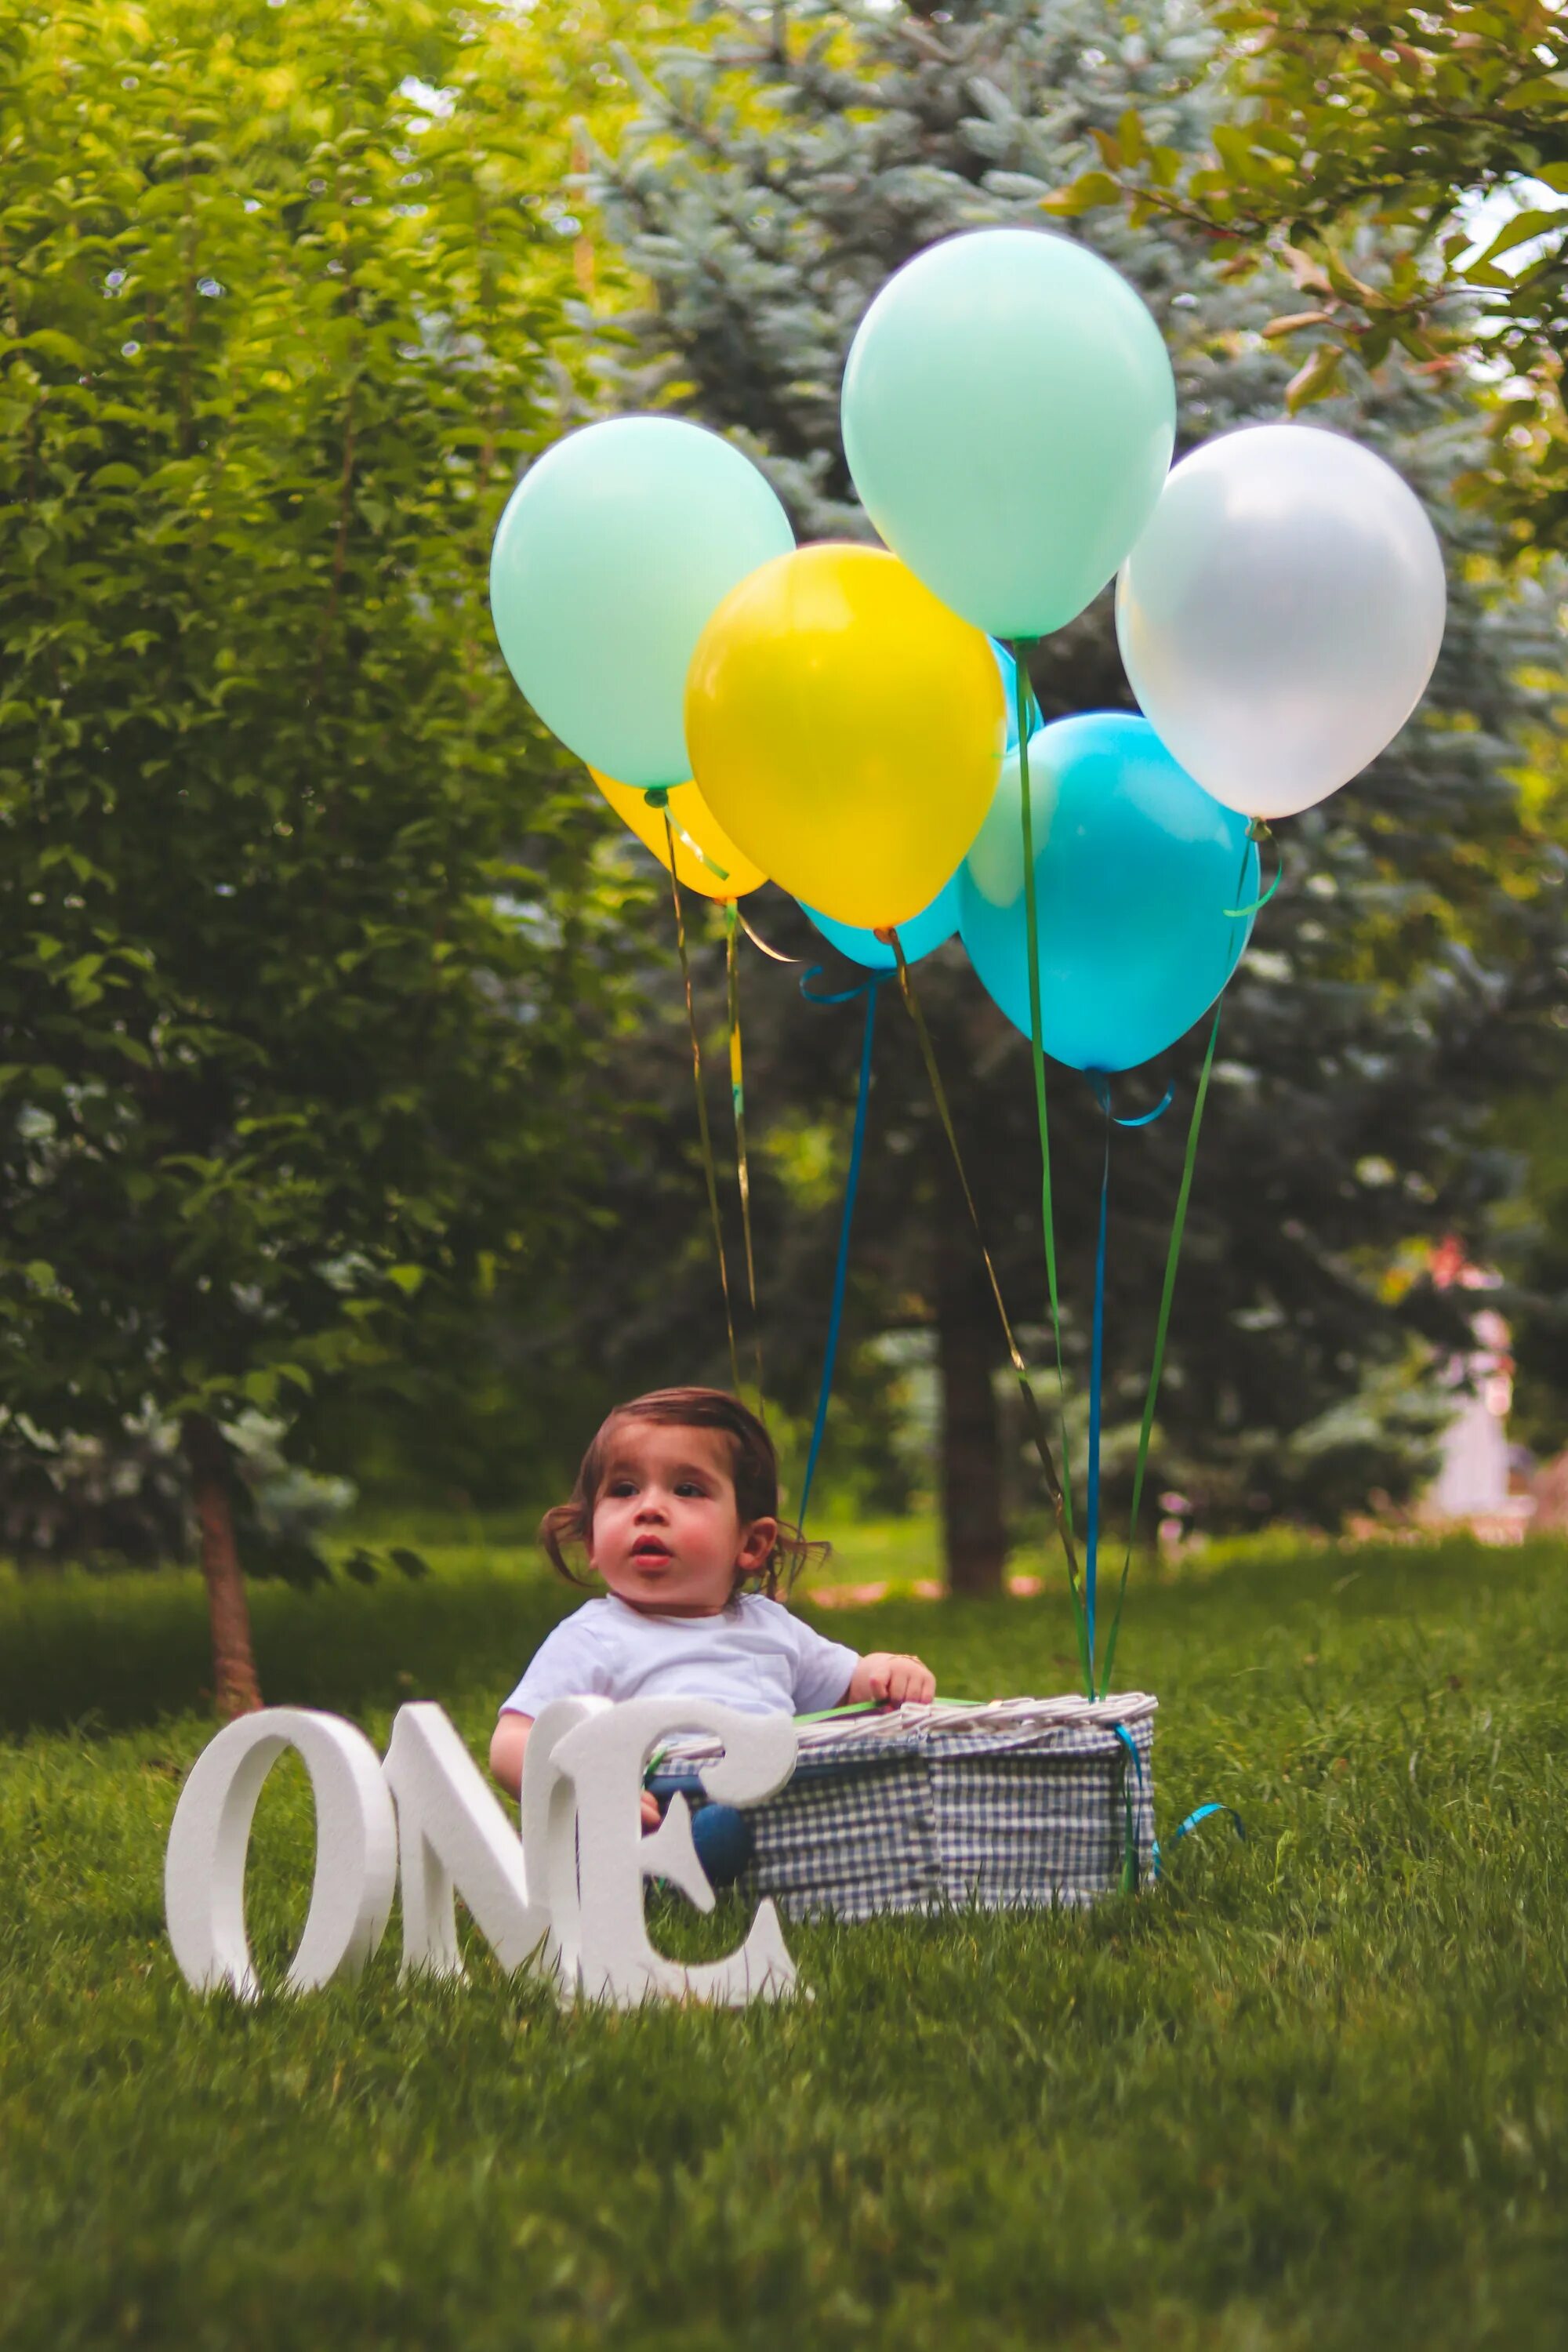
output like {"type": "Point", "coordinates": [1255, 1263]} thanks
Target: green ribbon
{"type": "Point", "coordinates": [1032, 1415]}
{"type": "Point", "coordinates": [1131, 1873]}
{"type": "Point", "coordinates": [709, 1170]}
{"type": "Point", "coordinates": [1238, 914]}
{"type": "Point", "coordinates": [1172, 1256]}
{"type": "Point", "coordinates": [657, 797]}
{"type": "Point", "coordinates": [1023, 697]}
{"type": "Point", "coordinates": [738, 1102]}
{"type": "Point", "coordinates": [1168, 1292]}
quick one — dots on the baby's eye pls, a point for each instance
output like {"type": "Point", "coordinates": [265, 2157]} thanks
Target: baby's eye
{"type": "Point", "coordinates": [691, 1487]}
{"type": "Point", "coordinates": [620, 1487]}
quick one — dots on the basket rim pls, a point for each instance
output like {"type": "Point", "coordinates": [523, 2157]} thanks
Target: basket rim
{"type": "Point", "coordinates": [902, 1730]}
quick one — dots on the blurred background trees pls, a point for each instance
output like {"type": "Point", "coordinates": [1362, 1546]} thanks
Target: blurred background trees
{"type": "Point", "coordinates": [1411, 967]}
{"type": "Point", "coordinates": [1406, 169]}
{"type": "Point", "coordinates": [1409, 167]}
{"type": "Point", "coordinates": [346, 1083]}
{"type": "Point", "coordinates": [306, 956]}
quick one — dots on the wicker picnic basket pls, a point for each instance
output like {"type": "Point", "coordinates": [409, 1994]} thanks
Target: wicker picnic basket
{"type": "Point", "coordinates": [1020, 1804]}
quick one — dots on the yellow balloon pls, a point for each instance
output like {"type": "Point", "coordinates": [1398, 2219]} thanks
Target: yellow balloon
{"type": "Point", "coordinates": [846, 731]}
{"type": "Point", "coordinates": [722, 871]}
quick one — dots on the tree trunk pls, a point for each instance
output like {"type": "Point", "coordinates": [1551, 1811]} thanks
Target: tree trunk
{"type": "Point", "coordinates": [972, 1526]}
{"type": "Point", "coordinates": [235, 1687]}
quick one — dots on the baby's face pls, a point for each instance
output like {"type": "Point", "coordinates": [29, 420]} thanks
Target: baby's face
{"type": "Point", "coordinates": [666, 1536]}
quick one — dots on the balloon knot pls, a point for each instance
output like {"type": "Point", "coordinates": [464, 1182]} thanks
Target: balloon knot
{"type": "Point", "coordinates": [657, 796]}
{"type": "Point", "coordinates": [883, 931]}
{"type": "Point", "coordinates": [1258, 830]}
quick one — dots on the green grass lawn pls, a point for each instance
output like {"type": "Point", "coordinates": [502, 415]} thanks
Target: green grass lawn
{"type": "Point", "coordinates": [1311, 2091]}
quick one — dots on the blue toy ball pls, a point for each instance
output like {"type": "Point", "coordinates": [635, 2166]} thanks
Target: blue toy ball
{"type": "Point", "coordinates": [722, 1836]}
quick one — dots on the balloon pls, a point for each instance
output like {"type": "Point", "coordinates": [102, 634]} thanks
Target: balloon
{"type": "Point", "coordinates": [927, 930]}
{"type": "Point", "coordinates": [1134, 868]}
{"type": "Point", "coordinates": [1280, 616]}
{"type": "Point", "coordinates": [846, 729]}
{"type": "Point", "coordinates": [1008, 416]}
{"type": "Point", "coordinates": [613, 551]}
{"type": "Point", "coordinates": [689, 813]}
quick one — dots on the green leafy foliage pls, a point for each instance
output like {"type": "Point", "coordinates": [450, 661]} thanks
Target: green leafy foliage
{"type": "Point", "coordinates": [1404, 155]}
{"type": "Point", "coordinates": [302, 955]}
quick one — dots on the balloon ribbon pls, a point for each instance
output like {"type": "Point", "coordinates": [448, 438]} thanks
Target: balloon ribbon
{"type": "Point", "coordinates": [1102, 1086]}
{"type": "Point", "coordinates": [1257, 904]}
{"type": "Point", "coordinates": [720, 873]}
{"type": "Point", "coordinates": [708, 1169]}
{"type": "Point", "coordinates": [1130, 1859]}
{"type": "Point", "coordinates": [657, 797]}
{"type": "Point", "coordinates": [1096, 1375]}
{"type": "Point", "coordinates": [778, 954]}
{"type": "Point", "coordinates": [738, 1099]}
{"type": "Point", "coordinates": [1173, 1259]}
{"type": "Point", "coordinates": [1199, 1814]}
{"type": "Point", "coordinates": [1035, 1425]}
{"type": "Point", "coordinates": [1024, 699]}
{"type": "Point", "coordinates": [869, 989]}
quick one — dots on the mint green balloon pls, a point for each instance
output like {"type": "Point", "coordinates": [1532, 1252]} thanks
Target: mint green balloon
{"type": "Point", "coordinates": [1008, 416]}
{"type": "Point", "coordinates": [611, 556]}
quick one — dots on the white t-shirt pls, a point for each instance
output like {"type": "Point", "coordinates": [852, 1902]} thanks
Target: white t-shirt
{"type": "Point", "coordinates": [753, 1656]}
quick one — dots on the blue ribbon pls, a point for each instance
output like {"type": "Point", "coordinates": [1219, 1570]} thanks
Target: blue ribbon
{"type": "Point", "coordinates": [1101, 1084]}
{"type": "Point", "coordinates": [1205, 1812]}
{"type": "Point", "coordinates": [1199, 1813]}
{"type": "Point", "coordinates": [1096, 1364]}
{"type": "Point", "coordinates": [1130, 1863]}
{"type": "Point", "coordinates": [843, 996]}
{"type": "Point", "coordinates": [867, 988]}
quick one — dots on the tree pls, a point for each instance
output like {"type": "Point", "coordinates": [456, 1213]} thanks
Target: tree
{"type": "Point", "coordinates": [1409, 166]}
{"type": "Point", "coordinates": [303, 956]}
{"type": "Point", "coordinates": [773, 183]}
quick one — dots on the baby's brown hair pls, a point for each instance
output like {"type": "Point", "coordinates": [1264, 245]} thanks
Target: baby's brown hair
{"type": "Point", "coordinates": [754, 1466]}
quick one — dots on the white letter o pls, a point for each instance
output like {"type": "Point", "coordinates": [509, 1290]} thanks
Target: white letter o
{"type": "Point", "coordinates": [356, 1851]}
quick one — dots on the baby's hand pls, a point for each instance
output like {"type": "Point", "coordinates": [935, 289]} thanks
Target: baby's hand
{"type": "Point", "coordinates": [886, 1675]}
{"type": "Point", "coordinates": [651, 1816]}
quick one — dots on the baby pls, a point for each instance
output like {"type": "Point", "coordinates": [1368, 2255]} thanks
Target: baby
{"type": "Point", "coordinates": [677, 1509]}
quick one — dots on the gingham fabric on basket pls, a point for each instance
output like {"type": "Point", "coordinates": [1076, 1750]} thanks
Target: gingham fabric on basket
{"type": "Point", "coordinates": [1022, 1802]}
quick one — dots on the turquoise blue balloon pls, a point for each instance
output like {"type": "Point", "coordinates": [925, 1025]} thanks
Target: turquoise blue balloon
{"type": "Point", "coordinates": [1135, 866]}
{"type": "Point", "coordinates": [923, 932]}
{"type": "Point", "coordinates": [1009, 413]}
{"type": "Point", "coordinates": [611, 556]}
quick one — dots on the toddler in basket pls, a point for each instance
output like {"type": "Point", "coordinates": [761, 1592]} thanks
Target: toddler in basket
{"type": "Point", "coordinates": [676, 1509]}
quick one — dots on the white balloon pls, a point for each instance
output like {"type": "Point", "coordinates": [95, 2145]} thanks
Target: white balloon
{"type": "Point", "coordinates": [1281, 615]}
